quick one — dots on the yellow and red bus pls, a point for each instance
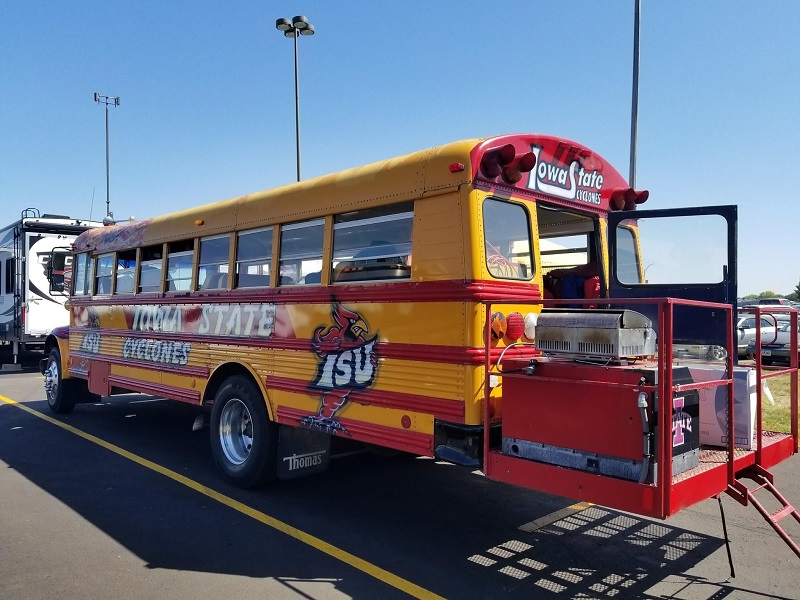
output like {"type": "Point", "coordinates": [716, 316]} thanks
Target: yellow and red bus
{"type": "Point", "coordinates": [378, 304]}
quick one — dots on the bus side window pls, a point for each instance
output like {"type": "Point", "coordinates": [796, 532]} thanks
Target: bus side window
{"type": "Point", "coordinates": [253, 258]}
{"type": "Point", "coordinates": [373, 244]}
{"type": "Point", "coordinates": [301, 250]}
{"type": "Point", "coordinates": [78, 278]}
{"type": "Point", "coordinates": [212, 273]}
{"type": "Point", "coordinates": [179, 266]}
{"type": "Point", "coordinates": [126, 267]}
{"type": "Point", "coordinates": [103, 272]}
{"type": "Point", "coordinates": [150, 269]}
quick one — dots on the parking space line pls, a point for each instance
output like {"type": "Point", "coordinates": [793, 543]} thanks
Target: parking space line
{"type": "Point", "coordinates": [318, 544]}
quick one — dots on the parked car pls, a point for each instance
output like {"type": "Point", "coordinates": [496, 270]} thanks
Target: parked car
{"type": "Point", "coordinates": [746, 326]}
{"type": "Point", "coordinates": [779, 349]}
{"type": "Point", "coordinates": [781, 312]}
{"type": "Point", "coordinates": [702, 352]}
{"type": "Point", "coordinates": [781, 301]}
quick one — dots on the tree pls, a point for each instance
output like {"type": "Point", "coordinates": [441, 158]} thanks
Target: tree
{"type": "Point", "coordinates": [795, 295]}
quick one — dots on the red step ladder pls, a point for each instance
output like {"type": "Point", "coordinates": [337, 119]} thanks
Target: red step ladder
{"type": "Point", "coordinates": [764, 481]}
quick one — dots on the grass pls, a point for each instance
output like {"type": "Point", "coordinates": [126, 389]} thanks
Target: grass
{"type": "Point", "coordinates": [777, 417]}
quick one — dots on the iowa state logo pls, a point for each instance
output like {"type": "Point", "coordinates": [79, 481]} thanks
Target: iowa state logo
{"type": "Point", "coordinates": [348, 362]}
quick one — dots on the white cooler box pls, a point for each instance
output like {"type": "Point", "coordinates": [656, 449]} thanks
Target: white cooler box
{"type": "Point", "coordinates": [714, 406]}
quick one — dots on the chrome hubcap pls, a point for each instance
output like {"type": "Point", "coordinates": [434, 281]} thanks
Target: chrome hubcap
{"type": "Point", "coordinates": [236, 431]}
{"type": "Point", "coordinates": [51, 381]}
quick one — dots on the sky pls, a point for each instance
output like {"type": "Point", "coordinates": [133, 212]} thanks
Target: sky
{"type": "Point", "coordinates": [207, 104]}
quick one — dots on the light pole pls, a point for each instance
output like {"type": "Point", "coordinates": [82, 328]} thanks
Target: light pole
{"type": "Point", "coordinates": [635, 93]}
{"type": "Point", "coordinates": [113, 101]}
{"type": "Point", "coordinates": [298, 26]}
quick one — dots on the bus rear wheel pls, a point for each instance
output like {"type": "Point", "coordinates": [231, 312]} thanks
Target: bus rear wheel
{"type": "Point", "coordinates": [244, 442]}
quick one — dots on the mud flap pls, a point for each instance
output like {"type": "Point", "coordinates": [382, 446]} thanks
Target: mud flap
{"type": "Point", "coordinates": [98, 378]}
{"type": "Point", "coordinates": [302, 452]}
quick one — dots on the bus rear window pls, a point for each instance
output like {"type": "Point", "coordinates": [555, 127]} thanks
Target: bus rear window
{"type": "Point", "coordinates": [507, 240]}
{"type": "Point", "coordinates": [627, 255]}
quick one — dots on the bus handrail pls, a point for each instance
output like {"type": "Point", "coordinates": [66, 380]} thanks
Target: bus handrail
{"type": "Point", "coordinates": [665, 387]}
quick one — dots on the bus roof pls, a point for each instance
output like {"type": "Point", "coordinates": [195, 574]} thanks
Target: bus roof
{"type": "Point", "coordinates": [548, 168]}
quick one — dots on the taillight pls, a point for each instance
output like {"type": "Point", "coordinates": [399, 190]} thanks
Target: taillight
{"type": "Point", "coordinates": [498, 325]}
{"type": "Point", "coordinates": [506, 162]}
{"type": "Point", "coordinates": [627, 198]}
{"type": "Point", "coordinates": [515, 326]}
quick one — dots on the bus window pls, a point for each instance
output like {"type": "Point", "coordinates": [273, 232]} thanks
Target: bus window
{"type": "Point", "coordinates": [126, 267]}
{"type": "Point", "coordinates": [671, 245]}
{"type": "Point", "coordinates": [373, 244]}
{"type": "Point", "coordinates": [627, 256]}
{"type": "Point", "coordinates": [81, 275]}
{"type": "Point", "coordinates": [150, 269]}
{"type": "Point", "coordinates": [59, 266]}
{"type": "Point", "coordinates": [212, 273]}
{"type": "Point", "coordinates": [180, 258]}
{"type": "Point", "coordinates": [507, 240]}
{"type": "Point", "coordinates": [253, 258]}
{"type": "Point", "coordinates": [301, 250]}
{"type": "Point", "coordinates": [103, 271]}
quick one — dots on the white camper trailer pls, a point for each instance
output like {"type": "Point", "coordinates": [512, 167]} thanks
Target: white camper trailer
{"type": "Point", "coordinates": [28, 309]}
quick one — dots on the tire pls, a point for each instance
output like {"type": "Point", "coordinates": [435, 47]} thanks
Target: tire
{"type": "Point", "coordinates": [716, 353]}
{"type": "Point", "coordinates": [60, 396]}
{"type": "Point", "coordinates": [244, 442]}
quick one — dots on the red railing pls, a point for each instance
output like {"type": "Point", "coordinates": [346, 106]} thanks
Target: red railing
{"type": "Point", "coordinates": [665, 387]}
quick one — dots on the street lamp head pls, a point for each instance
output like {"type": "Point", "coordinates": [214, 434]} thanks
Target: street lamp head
{"type": "Point", "coordinates": [298, 25]}
{"type": "Point", "coordinates": [300, 22]}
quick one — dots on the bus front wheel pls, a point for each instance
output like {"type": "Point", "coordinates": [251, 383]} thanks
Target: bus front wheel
{"type": "Point", "coordinates": [60, 398]}
{"type": "Point", "coordinates": [243, 439]}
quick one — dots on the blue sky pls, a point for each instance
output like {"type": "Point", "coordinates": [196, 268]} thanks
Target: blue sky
{"type": "Point", "coordinates": [207, 99]}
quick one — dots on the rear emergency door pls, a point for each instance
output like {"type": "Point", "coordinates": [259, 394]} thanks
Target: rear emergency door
{"type": "Point", "coordinates": [685, 253]}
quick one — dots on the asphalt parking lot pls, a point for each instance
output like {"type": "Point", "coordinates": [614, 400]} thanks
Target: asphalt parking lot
{"type": "Point", "coordinates": [121, 500]}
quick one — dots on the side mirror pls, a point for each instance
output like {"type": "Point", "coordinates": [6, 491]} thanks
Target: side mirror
{"type": "Point", "coordinates": [59, 271]}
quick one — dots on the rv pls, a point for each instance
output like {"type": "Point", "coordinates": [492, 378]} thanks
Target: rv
{"type": "Point", "coordinates": [29, 310]}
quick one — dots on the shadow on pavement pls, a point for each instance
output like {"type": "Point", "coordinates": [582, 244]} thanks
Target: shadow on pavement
{"type": "Point", "coordinates": [438, 526]}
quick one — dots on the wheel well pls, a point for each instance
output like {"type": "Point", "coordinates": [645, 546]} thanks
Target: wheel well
{"type": "Point", "coordinates": [50, 343]}
{"type": "Point", "coordinates": [222, 373]}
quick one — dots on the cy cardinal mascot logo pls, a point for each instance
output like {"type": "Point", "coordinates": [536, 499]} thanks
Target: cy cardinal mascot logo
{"type": "Point", "coordinates": [347, 363]}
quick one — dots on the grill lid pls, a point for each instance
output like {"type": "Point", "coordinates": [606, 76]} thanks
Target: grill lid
{"type": "Point", "coordinates": [595, 333]}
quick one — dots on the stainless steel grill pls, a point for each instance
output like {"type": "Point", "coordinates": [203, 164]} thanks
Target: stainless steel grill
{"type": "Point", "coordinates": [600, 333]}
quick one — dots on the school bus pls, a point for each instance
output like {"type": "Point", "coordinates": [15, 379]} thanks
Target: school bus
{"type": "Point", "coordinates": [485, 302]}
